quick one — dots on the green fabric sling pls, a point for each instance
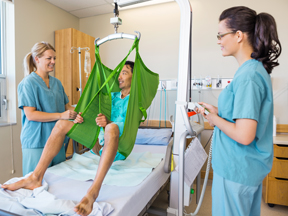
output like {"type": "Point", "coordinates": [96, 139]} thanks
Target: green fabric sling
{"type": "Point", "coordinates": [96, 98]}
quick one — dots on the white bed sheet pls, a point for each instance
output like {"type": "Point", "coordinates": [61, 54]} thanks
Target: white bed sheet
{"type": "Point", "coordinates": [128, 201]}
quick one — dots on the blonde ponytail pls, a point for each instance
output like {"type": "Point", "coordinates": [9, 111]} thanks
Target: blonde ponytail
{"type": "Point", "coordinates": [29, 65]}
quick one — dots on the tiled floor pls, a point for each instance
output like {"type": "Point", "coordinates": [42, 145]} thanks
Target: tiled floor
{"type": "Point", "coordinates": [205, 210]}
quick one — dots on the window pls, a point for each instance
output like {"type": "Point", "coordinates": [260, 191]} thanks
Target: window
{"type": "Point", "coordinates": [7, 62]}
{"type": "Point", "coordinates": [3, 112]}
{"type": "Point", "coordinates": [2, 30]}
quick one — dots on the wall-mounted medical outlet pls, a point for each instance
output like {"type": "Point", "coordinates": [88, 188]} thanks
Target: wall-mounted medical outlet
{"type": "Point", "coordinates": [215, 83]}
{"type": "Point", "coordinates": [208, 82]}
{"type": "Point", "coordinates": [197, 84]}
{"type": "Point", "coordinates": [219, 83]}
{"type": "Point", "coordinates": [226, 82]}
{"type": "Point", "coordinates": [167, 85]}
{"type": "Point", "coordinates": [172, 85]}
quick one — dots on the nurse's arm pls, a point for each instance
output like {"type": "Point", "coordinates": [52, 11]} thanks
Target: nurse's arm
{"type": "Point", "coordinates": [69, 107]}
{"type": "Point", "coordinates": [33, 115]}
{"type": "Point", "coordinates": [242, 131]}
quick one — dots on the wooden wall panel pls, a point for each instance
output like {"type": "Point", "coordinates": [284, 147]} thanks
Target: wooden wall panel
{"type": "Point", "coordinates": [63, 67]}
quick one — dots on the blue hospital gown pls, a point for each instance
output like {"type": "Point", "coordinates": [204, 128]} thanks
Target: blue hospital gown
{"type": "Point", "coordinates": [118, 114]}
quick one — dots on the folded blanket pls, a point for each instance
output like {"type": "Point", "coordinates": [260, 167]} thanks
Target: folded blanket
{"type": "Point", "coordinates": [40, 202]}
{"type": "Point", "coordinates": [129, 172]}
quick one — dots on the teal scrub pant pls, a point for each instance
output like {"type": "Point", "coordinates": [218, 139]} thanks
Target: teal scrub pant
{"type": "Point", "coordinates": [234, 199]}
{"type": "Point", "coordinates": [31, 157]}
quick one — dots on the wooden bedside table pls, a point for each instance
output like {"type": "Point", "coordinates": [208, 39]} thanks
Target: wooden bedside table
{"type": "Point", "coordinates": [275, 185]}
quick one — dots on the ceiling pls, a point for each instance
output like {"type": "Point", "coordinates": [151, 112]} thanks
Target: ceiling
{"type": "Point", "coordinates": [88, 8]}
{"type": "Point", "coordinates": [84, 8]}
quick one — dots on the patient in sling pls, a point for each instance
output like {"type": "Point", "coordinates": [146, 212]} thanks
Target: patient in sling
{"type": "Point", "coordinates": [106, 146]}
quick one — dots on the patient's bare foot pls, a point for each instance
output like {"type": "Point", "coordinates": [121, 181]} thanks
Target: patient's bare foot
{"type": "Point", "coordinates": [85, 206]}
{"type": "Point", "coordinates": [31, 182]}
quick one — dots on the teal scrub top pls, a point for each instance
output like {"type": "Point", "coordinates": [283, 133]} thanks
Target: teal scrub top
{"type": "Point", "coordinates": [248, 96]}
{"type": "Point", "coordinates": [118, 113]}
{"type": "Point", "coordinates": [33, 92]}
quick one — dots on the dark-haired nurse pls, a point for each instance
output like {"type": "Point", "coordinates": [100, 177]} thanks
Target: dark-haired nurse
{"type": "Point", "coordinates": [242, 140]}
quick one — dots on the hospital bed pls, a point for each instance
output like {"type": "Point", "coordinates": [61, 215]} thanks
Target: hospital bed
{"type": "Point", "coordinates": [128, 201]}
{"type": "Point", "coordinates": [125, 200]}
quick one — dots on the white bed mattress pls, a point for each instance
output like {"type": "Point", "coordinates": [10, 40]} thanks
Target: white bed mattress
{"type": "Point", "coordinates": [128, 201]}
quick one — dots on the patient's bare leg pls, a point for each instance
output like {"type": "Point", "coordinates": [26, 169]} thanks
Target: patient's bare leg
{"type": "Point", "coordinates": [111, 138]}
{"type": "Point", "coordinates": [51, 149]}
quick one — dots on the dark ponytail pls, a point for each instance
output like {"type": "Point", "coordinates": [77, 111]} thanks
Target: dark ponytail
{"type": "Point", "coordinates": [266, 45]}
{"type": "Point", "coordinates": [261, 30]}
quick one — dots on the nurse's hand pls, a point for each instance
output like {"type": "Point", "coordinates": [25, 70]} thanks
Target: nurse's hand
{"type": "Point", "coordinates": [211, 118]}
{"type": "Point", "coordinates": [209, 107]}
{"type": "Point", "coordinates": [79, 118]}
{"type": "Point", "coordinates": [102, 120]}
{"type": "Point", "coordinates": [68, 114]}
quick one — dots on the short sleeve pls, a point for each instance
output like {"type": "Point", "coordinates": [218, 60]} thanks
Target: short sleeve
{"type": "Point", "coordinates": [26, 95]}
{"type": "Point", "coordinates": [66, 100]}
{"type": "Point", "coordinates": [247, 100]}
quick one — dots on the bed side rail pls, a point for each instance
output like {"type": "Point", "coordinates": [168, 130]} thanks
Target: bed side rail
{"type": "Point", "coordinates": [167, 162]}
{"type": "Point", "coordinates": [6, 213]}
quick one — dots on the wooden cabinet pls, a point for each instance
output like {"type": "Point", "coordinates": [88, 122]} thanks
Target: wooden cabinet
{"type": "Point", "coordinates": [67, 64]}
{"type": "Point", "coordinates": [275, 185]}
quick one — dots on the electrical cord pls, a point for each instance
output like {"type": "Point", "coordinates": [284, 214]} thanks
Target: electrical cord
{"type": "Point", "coordinates": [208, 141]}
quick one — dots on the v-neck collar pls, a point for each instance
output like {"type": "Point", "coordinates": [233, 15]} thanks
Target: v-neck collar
{"type": "Point", "coordinates": [40, 78]}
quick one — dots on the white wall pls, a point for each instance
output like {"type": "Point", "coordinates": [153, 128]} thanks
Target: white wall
{"type": "Point", "coordinates": [35, 20]}
{"type": "Point", "coordinates": [159, 26]}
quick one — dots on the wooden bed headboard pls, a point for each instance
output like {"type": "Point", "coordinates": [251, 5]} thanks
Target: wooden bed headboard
{"type": "Point", "coordinates": [282, 128]}
{"type": "Point", "coordinates": [155, 123]}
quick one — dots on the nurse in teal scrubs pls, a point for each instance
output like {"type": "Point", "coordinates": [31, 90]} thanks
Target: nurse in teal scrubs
{"type": "Point", "coordinates": [42, 101]}
{"type": "Point", "coordinates": [242, 140]}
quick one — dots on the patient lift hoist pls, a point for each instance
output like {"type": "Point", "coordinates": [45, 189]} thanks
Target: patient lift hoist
{"type": "Point", "coordinates": [182, 125]}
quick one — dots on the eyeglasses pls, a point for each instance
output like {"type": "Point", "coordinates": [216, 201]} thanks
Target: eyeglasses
{"type": "Point", "coordinates": [220, 36]}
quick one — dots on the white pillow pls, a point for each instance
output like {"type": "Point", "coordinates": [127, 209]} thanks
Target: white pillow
{"type": "Point", "coordinates": [153, 136]}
